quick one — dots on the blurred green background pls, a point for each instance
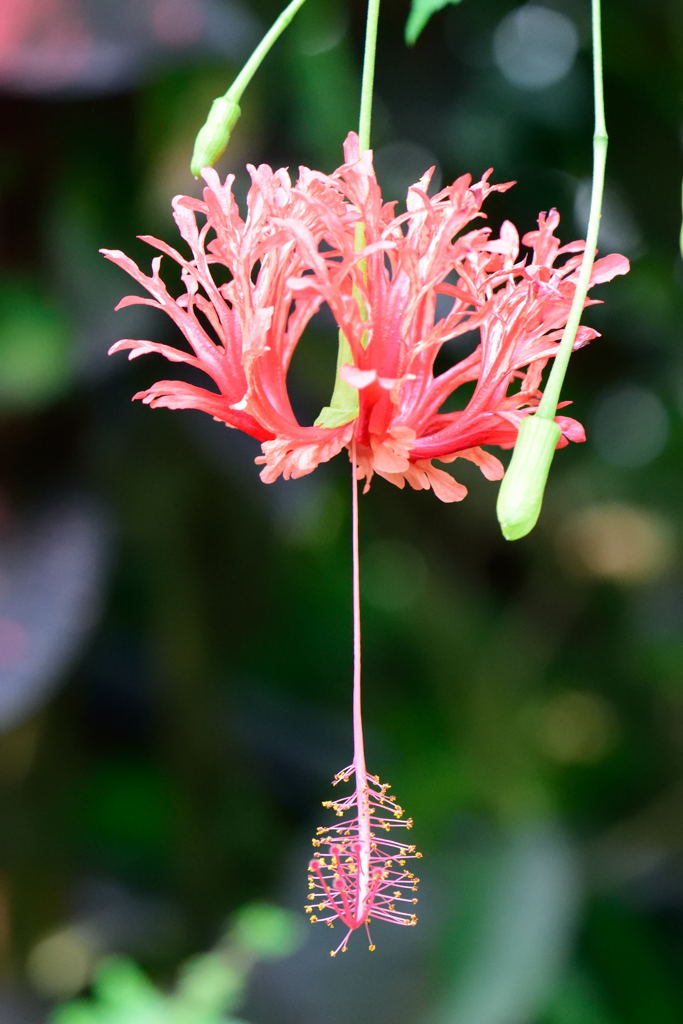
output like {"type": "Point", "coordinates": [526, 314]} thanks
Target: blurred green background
{"type": "Point", "coordinates": [175, 637]}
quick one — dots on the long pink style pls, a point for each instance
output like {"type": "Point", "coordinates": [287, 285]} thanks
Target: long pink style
{"type": "Point", "coordinates": [360, 875]}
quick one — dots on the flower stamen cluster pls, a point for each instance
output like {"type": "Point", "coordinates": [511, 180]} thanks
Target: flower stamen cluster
{"type": "Point", "coordinates": [359, 873]}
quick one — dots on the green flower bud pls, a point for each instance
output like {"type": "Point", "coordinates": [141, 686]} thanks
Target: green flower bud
{"type": "Point", "coordinates": [214, 135]}
{"type": "Point", "coordinates": [521, 493]}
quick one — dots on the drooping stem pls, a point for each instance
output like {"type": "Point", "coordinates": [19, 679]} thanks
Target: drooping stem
{"type": "Point", "coordinates": [272, 35]}
{"type": "Point", "coordinates": [367, 91]}
{"type": "Point", "coordinates": [551, 396]}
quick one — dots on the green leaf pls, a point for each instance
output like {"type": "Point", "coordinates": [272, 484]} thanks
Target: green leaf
{"type": "Point", "coordinates": [420, 13]}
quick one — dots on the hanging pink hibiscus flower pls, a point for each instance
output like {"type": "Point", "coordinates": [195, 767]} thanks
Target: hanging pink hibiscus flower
{"type": "Point", "coordinates": [399, 285]}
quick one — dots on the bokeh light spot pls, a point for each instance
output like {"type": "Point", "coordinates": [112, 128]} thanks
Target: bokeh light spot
{"type": "Point", "coordinates": [576, 727]}
{"type": "Point", "coordinates": [535, 47]}
{"type": "Point", "coordinates": [617, 542]}
{"type": "Point", "coordinates": [60, 964]}
{"type": "Point", "coordinates": [630, 426]}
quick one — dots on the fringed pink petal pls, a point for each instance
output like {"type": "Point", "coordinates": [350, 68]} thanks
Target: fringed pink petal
{"type": "Point", "coordinates": [571, 429]}
{"type": "Point", "coordinates": [294, 458]}
{"type": "Point", "coordinates": [491, 467]}
{"type": "Point", "coordinates": [609, 267]}
{"type": "Point", "coordinates": [442, 483]}
{"type": "Point", "coordinates": [140, 347]}
{"type": "Point", "coordinates": [173, 394]}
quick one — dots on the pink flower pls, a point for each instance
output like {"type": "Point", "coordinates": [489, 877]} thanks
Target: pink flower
{"type": "Point", "coordinates": [360, 875]}
{"type": "Point", "coordinates": [399, 285]}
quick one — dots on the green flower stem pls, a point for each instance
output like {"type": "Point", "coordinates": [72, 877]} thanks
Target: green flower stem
{"type": "Point", "coordinates": [551, 396]}
{"type": "Point", "coordinates": [344, 404]}
{"type": "Point", "coordinates": [521, 493]}
{"type": "Point", "coordinates": [368, 80]}
{"type": "Point", "coordinates": [272, 35]}
{"type": "Point", "coordinates": [214, 135]}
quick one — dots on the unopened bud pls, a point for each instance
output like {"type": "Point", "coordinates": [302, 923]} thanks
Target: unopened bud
{"type": "Point", "coordinates": [521, 493]}
{"type": "Point", "coordinates": [214, 135]}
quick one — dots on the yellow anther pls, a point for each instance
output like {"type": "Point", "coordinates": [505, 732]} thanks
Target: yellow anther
{"type": "Point", "coordinates": [372, 948]}
{"type": "Point", "coordinates": [313, 919]}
